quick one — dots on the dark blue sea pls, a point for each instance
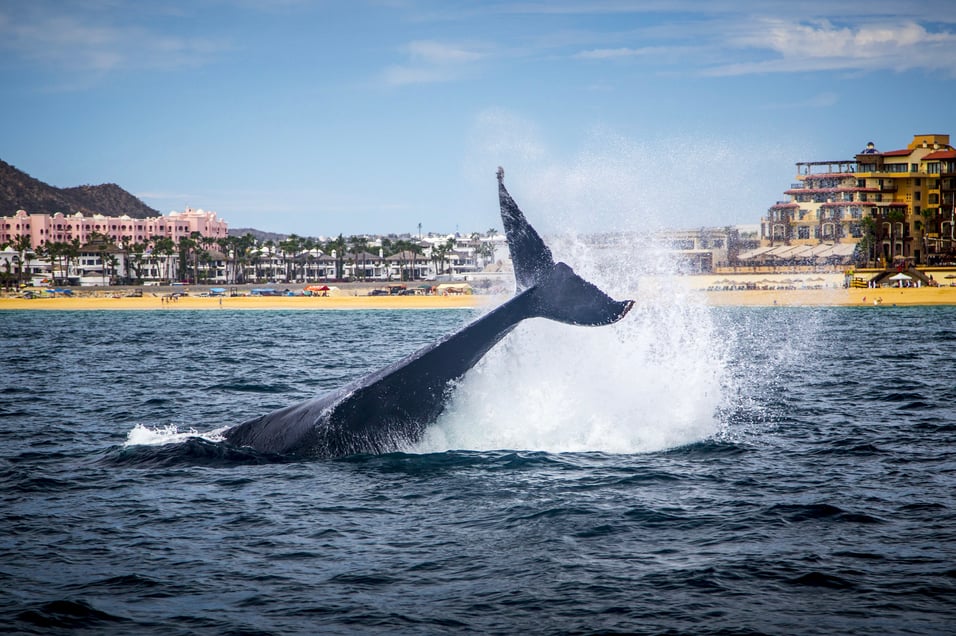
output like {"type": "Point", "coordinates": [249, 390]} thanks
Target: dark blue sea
{"type": "Point", "coordinates": [687, 471]}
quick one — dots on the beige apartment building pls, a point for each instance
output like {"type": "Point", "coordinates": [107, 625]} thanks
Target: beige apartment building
{"type": "Point", "coordinates": [879, 208]}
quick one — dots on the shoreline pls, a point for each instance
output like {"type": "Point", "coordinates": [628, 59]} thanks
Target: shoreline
{"type": "Point", "coordinates": [740, 290]}
{"type": "Point", "coordinates": [243, 303]}
{"type": "Point", "coordinates": [853, 297]}
{"type": "Point", "coordinates": [825, 297]}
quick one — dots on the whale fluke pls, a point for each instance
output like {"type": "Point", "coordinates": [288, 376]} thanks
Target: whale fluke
{"type": "Point", "coordinates": [530, 256]}
{"type": "Point", "coordinates": [559, 293]}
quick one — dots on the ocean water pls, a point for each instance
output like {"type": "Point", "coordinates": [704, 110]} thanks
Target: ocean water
{"type": "Point", "coordinates": [687, 471]}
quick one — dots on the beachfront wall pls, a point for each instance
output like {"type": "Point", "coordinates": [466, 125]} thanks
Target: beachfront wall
{"type": "Point", "coordinates": [60, 228]}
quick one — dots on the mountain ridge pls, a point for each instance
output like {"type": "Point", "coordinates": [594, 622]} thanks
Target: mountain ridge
{"type": "Point", "coordinates": [20, 191]}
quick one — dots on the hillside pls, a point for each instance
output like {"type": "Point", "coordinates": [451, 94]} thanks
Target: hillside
{"type": "Point", "coordinates": [260, 235]}
{"type": "Point", "coordinates": [20, 191]}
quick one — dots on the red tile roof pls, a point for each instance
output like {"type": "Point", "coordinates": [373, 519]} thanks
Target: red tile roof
{"type": "Point", "coordinates": [941, 154]}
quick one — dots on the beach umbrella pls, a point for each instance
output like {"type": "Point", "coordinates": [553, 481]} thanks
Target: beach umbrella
{"type": "Point", "coordinates": [900, 277]}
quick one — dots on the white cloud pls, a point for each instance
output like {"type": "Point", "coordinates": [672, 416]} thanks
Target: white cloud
{"type": "Point", "coordinates": [610, 54]}
{"type": "Point", "coordinates": [80, 44]}
{"type": "Point", "coordinates": [823, 46]}
{"type": "Point", "coordinates": [431, 61]}
{"type": "Point", "coordinates": [440, 53]}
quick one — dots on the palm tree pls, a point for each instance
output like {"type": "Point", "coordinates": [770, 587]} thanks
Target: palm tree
{"type": "Point", "coordinates": [43, 253]}
{"type": "Point", "coordinates": [336, 247]}
{"type": "Point", "coordinates": [449, 248]}
{"type": "Point", "coordinates": [309, 245]}
{"type": "Point", "coordinates": [126, 245]}
{"type": "Point", "coordinates": [165, 247]}
{"type": "Point", "coordinates": [290, 248]}
{"type": "Point", "coordinates": [109, 267]}
{"type": "Point", "coordinates": [135, 261]}
{"type": "Point", "coordinates": [58, 253]}
{"type": "Point", "coordinates": [6, 277]}
{"type": "Point", "coordinates": [867, 244]}
{"type": "Point", "coordinates": [22, 244]}
{"type": "Point", "coordinates": [405, 249]}
{"type": "Point", "coordinates": [71, 253]}
{"type": "Point", "coordinates": [415, 249]}
{"type": "Point", "coordinates": [203, 255]}
{"type": "Point", "coordinates": [241, 256]}
{"type": "Point", "coordinates": [186, 246]}
{"type": "Point", "coordinates": [359, 246]}
{"type": "Point", "coordinates": [439, 252]}
{"type": "Point", "coordinates": [100, 243]}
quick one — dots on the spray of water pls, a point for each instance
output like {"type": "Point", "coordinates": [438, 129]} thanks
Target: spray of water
{"type": "Point", "coordinates": [142, 435]}
{"type": "Point", "coordinates": [649, 383]}
{"type": "Point", "coordinates": [656, 380]}
{"type": "Point", "coordinates": [652, 381]}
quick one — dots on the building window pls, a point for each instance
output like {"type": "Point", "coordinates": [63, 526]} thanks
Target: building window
{"type": "Point", "coordinates": [803, 232]}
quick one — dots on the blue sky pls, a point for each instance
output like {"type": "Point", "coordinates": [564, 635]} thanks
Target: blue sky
{"type": "Point", "coordinates": [321, 117]}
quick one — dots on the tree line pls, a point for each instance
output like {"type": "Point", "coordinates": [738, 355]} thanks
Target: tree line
{"type": "Point", "coordinates": [240, 254]}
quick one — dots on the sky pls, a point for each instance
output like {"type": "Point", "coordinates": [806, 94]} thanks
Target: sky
{"type": "Point", "coordinates": [379, 116]}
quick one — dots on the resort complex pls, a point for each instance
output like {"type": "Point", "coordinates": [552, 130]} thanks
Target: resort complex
{"type": "Point", "coordinates": [878, 209]}
{"type": "Point", "coordinates": [195, 247]}
{"type": "Point", "coordinates": [43, 229]}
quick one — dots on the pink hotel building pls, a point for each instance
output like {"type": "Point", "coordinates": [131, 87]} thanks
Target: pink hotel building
{"type": "Point", "coordinates": [59, 228]}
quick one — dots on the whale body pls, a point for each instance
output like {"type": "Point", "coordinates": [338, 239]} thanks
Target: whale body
{"type": "Point", "coordinates": [391, 408]}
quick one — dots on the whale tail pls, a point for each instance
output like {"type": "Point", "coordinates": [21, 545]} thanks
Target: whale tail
{"type": "Point", "coordinates": [554, 290]}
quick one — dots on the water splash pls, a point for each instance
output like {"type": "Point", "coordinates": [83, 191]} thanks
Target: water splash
{"type": "Point", "coordinates": [653, 381]}
{"type": "Point", "coordinates": [142, 435]}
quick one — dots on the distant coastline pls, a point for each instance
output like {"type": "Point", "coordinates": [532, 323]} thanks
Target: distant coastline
{"type": "Point", "coordinates": [700, 289]}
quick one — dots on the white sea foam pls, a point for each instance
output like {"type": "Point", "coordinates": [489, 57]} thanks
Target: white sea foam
{"type": "Point", "coordinates": [170, 434]}
{"type": "Point", "coordinates": [651, 382]}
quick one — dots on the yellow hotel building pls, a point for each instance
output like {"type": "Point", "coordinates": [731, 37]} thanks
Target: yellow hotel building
{"type": "Point", "coordinates": [882, 208]}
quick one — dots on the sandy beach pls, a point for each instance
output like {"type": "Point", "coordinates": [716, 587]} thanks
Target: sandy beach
{"type": "Point", "coordinates": [827, 292]}
{"type": "Point", "coordinates": [149, 302]}
{"type": "Point", "coordinates": [815, 290]}
{"type": "Point", "coordinates": [833, 297]}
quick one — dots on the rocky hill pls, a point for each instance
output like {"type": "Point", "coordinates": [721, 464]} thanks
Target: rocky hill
{"type": "Point", "coordinates": [260, 235]}
{"type": "Point", "coordinates": [20, 191]}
